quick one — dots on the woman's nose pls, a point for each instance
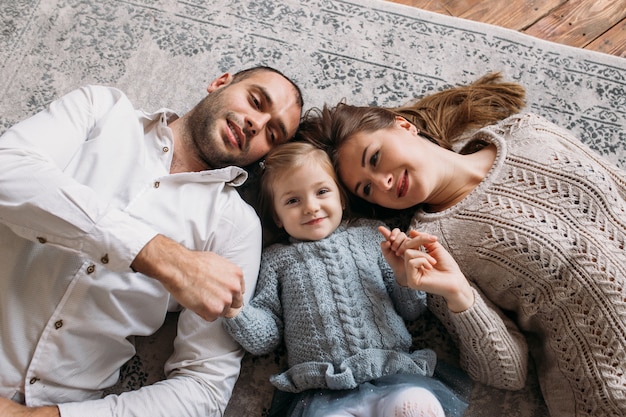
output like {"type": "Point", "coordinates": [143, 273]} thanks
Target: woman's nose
{"type": "Point", "coordinates": [384, 181]}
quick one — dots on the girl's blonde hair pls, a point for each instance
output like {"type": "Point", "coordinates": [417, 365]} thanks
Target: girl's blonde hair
{"type": "Point", "coordinates": [280, 161]}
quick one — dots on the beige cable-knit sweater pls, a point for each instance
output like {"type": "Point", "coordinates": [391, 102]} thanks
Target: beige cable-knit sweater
{"type": "Point", "coordinates": [543, 238]}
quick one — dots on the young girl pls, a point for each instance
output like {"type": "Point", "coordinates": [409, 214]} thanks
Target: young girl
{"type": "Point", "coordinates": [335, 298]}
{"type": "Point", "coordinates": [534, 218]}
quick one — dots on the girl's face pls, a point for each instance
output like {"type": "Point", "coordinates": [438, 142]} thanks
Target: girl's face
{"type": "Point", "coordinates": [387, 166]}
{"type": "Point", "coordinates": [307, 202]}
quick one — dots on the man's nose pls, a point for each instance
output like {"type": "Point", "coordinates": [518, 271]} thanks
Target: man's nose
{"type": "Point", "coordinates": [256, 122]}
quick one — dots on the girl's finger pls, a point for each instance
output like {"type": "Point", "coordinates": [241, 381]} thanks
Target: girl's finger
{"type": "Point", "coordinates": [384, 231]}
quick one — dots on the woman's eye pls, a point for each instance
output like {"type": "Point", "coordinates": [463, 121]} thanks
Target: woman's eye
{"type": "Point", "coordinates": [374, 159]}
{"type": "Point", "coordinates": [367, 189]}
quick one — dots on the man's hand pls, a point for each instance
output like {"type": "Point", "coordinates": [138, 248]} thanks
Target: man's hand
{"type": "Point", "coordinates": [203, 282]}
{"type": "Point", "coordinates": [9, 408]}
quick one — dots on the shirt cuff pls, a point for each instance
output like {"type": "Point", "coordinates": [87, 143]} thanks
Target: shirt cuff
{"type": "Point", "coordinates": [116, 240]}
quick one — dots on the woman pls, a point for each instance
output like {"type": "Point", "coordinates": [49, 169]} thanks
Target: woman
{"type": "Point", "coordinates": [534, 218]}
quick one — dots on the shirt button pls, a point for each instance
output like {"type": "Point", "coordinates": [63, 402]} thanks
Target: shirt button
{"type": "Point", "coordinates": [166, 149]}
{"type": "Point", "coordinates": [33, 380]}
{"type": "Point", "coordinates": [58, 324]}
{"type": "Point", "coordinates": [90, 269]}
{"type": "Point", "coordinates": [105, 259]}
{"type": "Point", "coordinates": [156, 184]}
{"type": "Point", "coordinates": [41, 239]}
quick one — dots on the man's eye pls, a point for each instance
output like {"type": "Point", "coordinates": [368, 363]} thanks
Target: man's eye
{"type": "Point", "coordinates": [256, 102]}
{"type": "Point", "coordinates": [374, 159]}
{"type": "Point", "coordinates": [367, 189]}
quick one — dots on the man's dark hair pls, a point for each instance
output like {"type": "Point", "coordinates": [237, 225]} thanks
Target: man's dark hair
{"type": "Point", "coordinates": [246, 73]}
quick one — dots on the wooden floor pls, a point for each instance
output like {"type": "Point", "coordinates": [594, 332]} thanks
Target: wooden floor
{"type": "Point", "coordinates": [598, 25]}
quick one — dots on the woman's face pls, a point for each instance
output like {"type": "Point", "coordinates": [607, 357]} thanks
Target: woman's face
{"type": "Point", "coordinates": [386, 167]}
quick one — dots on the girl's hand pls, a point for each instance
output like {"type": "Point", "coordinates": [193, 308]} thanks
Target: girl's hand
{"type": "Point", "coordinates": [393, 251]}
{"type": "Point", "coordinates": [430, 267]}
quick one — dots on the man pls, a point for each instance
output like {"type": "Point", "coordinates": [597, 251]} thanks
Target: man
{"type": "Point", "coordinates": [109, 218]}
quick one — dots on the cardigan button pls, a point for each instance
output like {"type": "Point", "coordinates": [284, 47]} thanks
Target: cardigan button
{"type": "Point", "coordinates": [58, 324]}
{"type": "Point", "coordinates": [90, 269]}
{"type": "Point", "coordinates": [41, 239]}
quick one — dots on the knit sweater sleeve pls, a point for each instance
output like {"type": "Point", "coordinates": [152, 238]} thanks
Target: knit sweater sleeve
{"type": "Point", "coordinates": [492, 350]}
{"type": "Point", "coordinates": [258, 328]}
{"type": "Point", "coordinates": [409, 303]}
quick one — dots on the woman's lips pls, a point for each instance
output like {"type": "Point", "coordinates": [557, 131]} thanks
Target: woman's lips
{"type": "Point", "coordinates": [403, 185]}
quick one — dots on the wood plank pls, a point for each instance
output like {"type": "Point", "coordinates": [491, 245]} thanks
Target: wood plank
{"type": "Point", "coordinates": [598, 25]}
{"type": "Point", "coordinates": [516, 15]}
{"type": "Point", "coordinates": [436, 6]}
{"type": "Point", "coordinates": [612, 42]}
{"type": "Point", "coordinates": [579, 22]}
{"type": "Point", "coordinates": [458, 7]}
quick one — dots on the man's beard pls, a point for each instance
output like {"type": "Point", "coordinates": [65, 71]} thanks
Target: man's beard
{"type": "Point", "coordinates": [204, 137]}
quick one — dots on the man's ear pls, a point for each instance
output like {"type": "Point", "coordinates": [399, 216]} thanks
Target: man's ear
{"type": "Point", "coordinates": [405, 124]}
{"type": "Point", "coordinates": [220, 81]}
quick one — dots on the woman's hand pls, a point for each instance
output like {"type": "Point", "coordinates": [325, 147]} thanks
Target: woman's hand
{"type": "Point", "coordinates": [430, 267]}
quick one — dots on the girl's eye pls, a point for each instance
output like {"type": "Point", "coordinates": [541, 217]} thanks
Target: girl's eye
{"type": "Point", "coordinates": [291, 201]}
{"type": "Point", "coordinates": [367, 190]}
{"type": "Point", "coordinates": [374, 159]}
{"type": "Point", "coordinates": [323, 191]}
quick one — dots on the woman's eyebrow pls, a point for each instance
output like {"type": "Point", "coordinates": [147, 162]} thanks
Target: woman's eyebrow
{"type": "Point", "coordinates": [363, 156]}
{"type": "Point", "coordinates": [358, 184]}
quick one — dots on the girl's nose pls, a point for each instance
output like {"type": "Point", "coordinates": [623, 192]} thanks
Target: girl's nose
{"type": "Point", "coordinates": [312, 206]}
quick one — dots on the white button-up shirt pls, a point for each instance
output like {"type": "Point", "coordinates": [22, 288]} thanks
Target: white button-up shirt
{"type": "Point", "coordinates": [84, 185]}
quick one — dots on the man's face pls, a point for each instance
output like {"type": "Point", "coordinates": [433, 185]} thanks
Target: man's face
{"type": "Point", "coordinates": [238, 123]}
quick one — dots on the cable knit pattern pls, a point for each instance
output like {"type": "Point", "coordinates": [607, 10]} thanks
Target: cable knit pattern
{"type": "Point", "coordinates": [543, 238]}
{"type": "Point", "coordinates": [338, 306]}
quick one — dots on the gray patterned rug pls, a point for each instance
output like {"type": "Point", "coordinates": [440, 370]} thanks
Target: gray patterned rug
{"type": "Point", "coordinates": [163, 53]}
